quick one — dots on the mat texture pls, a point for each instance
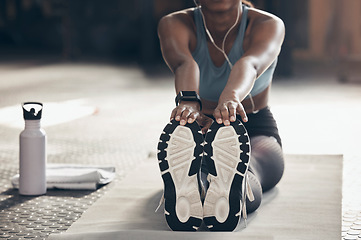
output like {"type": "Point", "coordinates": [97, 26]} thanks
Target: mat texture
{"type": "Point", "coordinates": [305, 205]}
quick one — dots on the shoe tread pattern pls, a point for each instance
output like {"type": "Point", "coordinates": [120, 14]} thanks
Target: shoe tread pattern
{"type": "Point", "coordinates": [227, 159]}
{"type": "Point", "coordinates": [180, 151]}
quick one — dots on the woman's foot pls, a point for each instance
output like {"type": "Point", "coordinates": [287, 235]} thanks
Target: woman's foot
{"type": "Point", "coordinates": [227, 153]}
{"type": "Point", "coordinates": [180, 151]}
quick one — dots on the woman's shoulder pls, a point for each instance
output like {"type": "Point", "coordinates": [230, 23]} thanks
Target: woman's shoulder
{"type": "Point", "coordinates": [180, 26]}
{"type": "Point", "coordinates": [178, 20]}
{"type": "Point", "coordinates": [263, 27]}
{"type": "Point", "coordinates": [257, 16]}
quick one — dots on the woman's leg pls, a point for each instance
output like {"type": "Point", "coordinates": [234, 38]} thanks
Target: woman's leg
{"type": "Point", "coordinates": [267, 161]}
{"type": "Point", "coordinates": [266, 168]}
{"type": "Point", "coordinates": [257, 193]}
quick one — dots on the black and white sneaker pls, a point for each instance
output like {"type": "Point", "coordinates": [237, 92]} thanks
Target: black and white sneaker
{"type": "Point", "coordinates": [180, 152]}
{"type": "Point", "coordinates": [227, 154]}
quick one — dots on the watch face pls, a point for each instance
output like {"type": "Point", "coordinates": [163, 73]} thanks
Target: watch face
{"type": "Point", "coordinates": [189, 93]}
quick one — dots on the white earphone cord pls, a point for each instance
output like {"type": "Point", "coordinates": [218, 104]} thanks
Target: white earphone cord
{"type": "Point", "coordinates": [224, 39]}
{"type": "Point", "coordinates": [223, 44]}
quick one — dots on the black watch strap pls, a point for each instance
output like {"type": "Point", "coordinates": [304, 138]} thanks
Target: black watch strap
{"type": "Point", "coordinates": [190, 96]}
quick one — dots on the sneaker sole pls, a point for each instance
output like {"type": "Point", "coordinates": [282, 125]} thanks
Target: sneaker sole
{"type": "Point", "coordinates": [180, 151]}
{"type": "Point", "coordinates": [227, 151]}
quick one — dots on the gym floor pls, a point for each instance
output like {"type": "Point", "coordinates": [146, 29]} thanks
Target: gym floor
{"type": "Point", "coordinates": [113, 114]}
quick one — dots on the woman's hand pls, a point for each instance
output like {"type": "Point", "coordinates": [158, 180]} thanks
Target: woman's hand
{"type": "Point", "coordinates": [227, 109]}
{"type": "Point", "coordinates": [185, 112]}
{"type": "Point", "coordinates": [190, 112]}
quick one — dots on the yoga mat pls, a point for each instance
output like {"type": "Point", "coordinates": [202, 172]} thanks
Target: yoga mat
{"type": "Point", "coordinates": [306, 204]}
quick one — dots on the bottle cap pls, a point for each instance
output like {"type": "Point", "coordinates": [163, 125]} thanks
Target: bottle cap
{"type": "Point", "coordinates": [32, 110]}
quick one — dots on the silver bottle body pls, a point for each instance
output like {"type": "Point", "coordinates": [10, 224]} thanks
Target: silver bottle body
{"type": "Point", "coordinates": [32, 159]}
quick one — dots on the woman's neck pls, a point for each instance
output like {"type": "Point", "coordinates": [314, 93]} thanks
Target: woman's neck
{"type": "Point", "coordinates": [219, 23]}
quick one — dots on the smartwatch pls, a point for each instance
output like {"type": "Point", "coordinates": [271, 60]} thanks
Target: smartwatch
{"type": "Point", "coordinates": [190, 96]}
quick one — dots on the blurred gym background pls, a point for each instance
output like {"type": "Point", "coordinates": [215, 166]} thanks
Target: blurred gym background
{"type": "Point", "coordinates": [319, 32]}
{"type": "Point", "coordinates": [317, 113]}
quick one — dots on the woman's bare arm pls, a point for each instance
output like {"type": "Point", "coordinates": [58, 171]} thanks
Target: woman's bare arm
{"type": "Point", "coordinates": [264, 40]}
{"type": "Point", "coordinates": [175, 35]}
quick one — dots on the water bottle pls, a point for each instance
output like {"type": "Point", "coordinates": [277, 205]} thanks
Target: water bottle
{"type": "Point", "coordinates": [32, 162]}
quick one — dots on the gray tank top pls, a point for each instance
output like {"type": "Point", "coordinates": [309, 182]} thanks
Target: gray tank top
{"type": "Point", "coordinates": [213, 79]}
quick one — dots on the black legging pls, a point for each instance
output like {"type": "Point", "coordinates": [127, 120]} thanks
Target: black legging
{"type": "Point", "coordinates": [266, 167]}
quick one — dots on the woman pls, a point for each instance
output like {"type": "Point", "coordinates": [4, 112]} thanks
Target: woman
{"type": "Point", "coordinates": [223, 54]}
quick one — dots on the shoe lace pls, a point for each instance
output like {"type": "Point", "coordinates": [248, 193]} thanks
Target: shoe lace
{"type": "Point", "coordinates": [246, 193]}
{"type": "Point", "coordinates": [161, 201]}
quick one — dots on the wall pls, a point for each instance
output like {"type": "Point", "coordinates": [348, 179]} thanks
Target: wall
{"type": "Point", "coordinates": [335, 30]}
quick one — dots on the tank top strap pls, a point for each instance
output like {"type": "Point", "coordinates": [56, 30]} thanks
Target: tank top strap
{"type": "Point", "coordinates": [201, 35]}
{"type": "Point", "coordinates": [243, 26]}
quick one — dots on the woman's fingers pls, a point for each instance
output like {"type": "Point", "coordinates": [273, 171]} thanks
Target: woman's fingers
{"type": "Point", "coordinates": [227, 112]}
{"type": "Point", "coordinates": [232, 112]}
{"type": "Point", "coordinates": [185, 112]}
{"type": "Point", "coordinates": [178, 114]}
{"type": "Point", "coordinates": [242, 112]}
{"type": "Point", "coordinates": [206, 124]}
{"type": "Point", "coordinates": [218, 115]}
{"type": "Point", "coordinates": [192, 117]}
{"type": "Point", "coordinates": [184, 117]}
{"type": "Point", "coordinates": [223, 113]}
